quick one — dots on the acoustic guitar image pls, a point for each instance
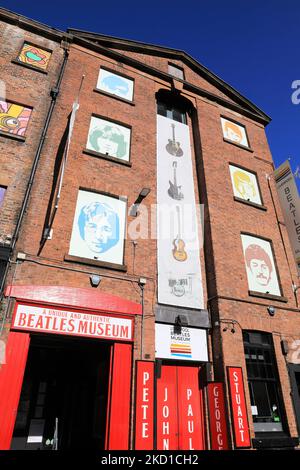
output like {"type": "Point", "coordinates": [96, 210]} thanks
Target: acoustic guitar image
{"type": "Point", "coordinates": [173, 147]}
{"type": "Point", "coordinates": [174, 189]}
{"type": "Point", "coordinates": [178, 251]}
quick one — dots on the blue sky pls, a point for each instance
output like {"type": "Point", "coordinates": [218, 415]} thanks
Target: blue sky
{"type": "Point", "coordinates": [251, 44]}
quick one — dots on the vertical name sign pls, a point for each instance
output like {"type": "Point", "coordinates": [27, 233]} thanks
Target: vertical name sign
{"type": "Point", "coordinates": [238, 407]}
{"type": "Point", "coordinates": [144, 405]}
{"type": "Point", "coordinates": [217, 416]}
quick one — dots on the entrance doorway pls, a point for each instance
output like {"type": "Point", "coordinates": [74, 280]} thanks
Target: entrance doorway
{"type": "Point", "coordinates": [180, 416]}
{"type": "Point", "coordinates": [294, 371]}
{"type": "Point", "coordinates": [64, 394]}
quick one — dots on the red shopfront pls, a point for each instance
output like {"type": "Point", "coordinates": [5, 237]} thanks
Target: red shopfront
{"type": "Point", "coordinates": [68, 362]}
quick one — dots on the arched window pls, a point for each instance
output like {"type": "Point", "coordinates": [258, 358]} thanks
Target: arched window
{"type": "Point", "coordinates": [172, 106]}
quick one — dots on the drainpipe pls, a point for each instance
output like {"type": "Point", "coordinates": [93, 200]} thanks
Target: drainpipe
{"type": "Point", "coordinates": [53, 93]}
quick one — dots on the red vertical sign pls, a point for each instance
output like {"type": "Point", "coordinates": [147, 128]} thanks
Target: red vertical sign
{"type": "Point", "coordinates": [190, 416]}
{"type": "Point", "coordinates": [217, 416]}
{"type": "Point", "coordinates": [238, 407]}
{"type": "Point", "coordinates": [179, 409]}
{"type": "Point", "coordinates": [144, 405]}
{"type": "Point", "coordinates": [167, 420]}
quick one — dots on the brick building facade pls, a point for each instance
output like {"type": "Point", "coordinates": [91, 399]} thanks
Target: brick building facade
{"type": "Point", "coordinates": [64, 278]}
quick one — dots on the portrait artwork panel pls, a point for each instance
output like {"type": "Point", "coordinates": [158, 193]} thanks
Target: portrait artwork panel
{"type": "Point", "coordinates": [109, 138]}
{"type": "Point", "coordinates": [260, 265]}
{"type": "Point", "coordinates": [245, 185]}
{"type": "Point", "coordinates": [98, 227]}
{"type": "Point", "coordinates": [34, 56]}
{"type": "Point", "coordinates": [115, 84]}
{"type": "Point", "coordinates": [14, 118]}
{"type": "Point", "coordinates": [234, 132]}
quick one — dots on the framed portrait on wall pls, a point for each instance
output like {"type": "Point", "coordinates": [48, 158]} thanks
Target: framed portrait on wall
{"type": "Point", "coordinates": [14, 118]}
{"type": "Point", "coordinates": [245, 184]}
{"type": "Point", "coordinates": [99, 227]}
{"type": "Point", "coordinates": [115, 84]}
{"type": "Point", "coordinates": [260, 266]}
{"type": "Point", "coordinates": [234, 132]}
{"type": "Point", "coordinates": [109, 138]}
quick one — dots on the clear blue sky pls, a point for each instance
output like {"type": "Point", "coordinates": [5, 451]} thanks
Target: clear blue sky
{"type": "Point", "coordinates": [251, 44]}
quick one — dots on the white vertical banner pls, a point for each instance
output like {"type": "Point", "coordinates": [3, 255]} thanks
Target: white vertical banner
{"type": "Point", "coordinates": [179, 271]}
{"type": "Point", "coordinates": [290, 205]}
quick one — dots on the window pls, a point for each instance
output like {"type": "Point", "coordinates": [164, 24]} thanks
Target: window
{"type": "Point", "coordinates": [4, 257]}
{"type": "Point", "coordinates": [2, 194]}
{"type": "Point", "coordinates": [234, 132]}
{"type": "Point", "coordinates": [266, 403]}
{"type": "Point", "coordinates": [34, 56]}
{"type": "Point", "coordinates": [99, 227]}
{"type": "Point", "coordinates": [109, 138]}
{"type": "Point", "coordinates": [171, 111]}
{"type": "Point", "coordinates": [14, 118]}
{"type": "Point", "coordinates": [245, 185]}
{"type": "Point", "coordinates": [260, 266]}
{"type": "Point", "coordinates": [176, 71]}
{"type": "Point", "coordinates": [115, 84]}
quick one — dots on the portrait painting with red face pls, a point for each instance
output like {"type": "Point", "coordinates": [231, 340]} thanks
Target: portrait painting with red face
{"type": "Point", "coordinates": [260, 266]}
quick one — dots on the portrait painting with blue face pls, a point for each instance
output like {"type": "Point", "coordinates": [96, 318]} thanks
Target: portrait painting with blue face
{"type": "Point", "coordinates": [115, 84]}
{"type": "Point", "coordinates": [98, 227]}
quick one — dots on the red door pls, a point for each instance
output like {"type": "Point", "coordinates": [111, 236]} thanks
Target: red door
{"type": "Point", "coordinates": [180, 421]}
{"type": "Point", "coordinates": [11, 378]}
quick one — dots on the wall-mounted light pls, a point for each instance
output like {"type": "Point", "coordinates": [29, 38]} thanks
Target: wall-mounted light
{"type": "Point", "coordinates": [95, 280]}
{"type": "Point", "coordinates": [271, 310]}
{"type": "Point", "coordinates": [134, 208]}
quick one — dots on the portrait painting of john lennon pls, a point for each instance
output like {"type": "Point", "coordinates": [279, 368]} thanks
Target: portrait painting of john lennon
{"type": "Point", "coordinates": [260, 266]}
{"type": "Point", "coordinates": [234, 132]}
{"type": "Point", "coordinates": [98, 227]}
{"type": "Point", "coordinates": [109, 138]}
{"type": "Point", "coordinates": [14, 118]}
{"type": "Point", "coordinates": [245, 184]}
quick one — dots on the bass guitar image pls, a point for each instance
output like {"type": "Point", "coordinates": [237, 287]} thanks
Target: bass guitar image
{"type": "Point", "coordinates": [178, 251]}
{"type": "Point", "coordinates": [174, 189]}
{"type": "Point", "coordinates": [173, 147]}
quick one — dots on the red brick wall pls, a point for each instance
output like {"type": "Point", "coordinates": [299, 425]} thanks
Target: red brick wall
{"type": "Point", "coordinates": [30, 88]}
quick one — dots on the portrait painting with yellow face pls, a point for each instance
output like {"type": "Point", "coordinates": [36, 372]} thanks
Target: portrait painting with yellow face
{"type": "Point", "coordinates": [234, 132]}
{"type": "Point", "coordinates": [244, 184]}
{"type": "Point", "coordinates": [14, 118]}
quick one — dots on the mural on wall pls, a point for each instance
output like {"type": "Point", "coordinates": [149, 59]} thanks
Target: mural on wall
{"type": "Point", "coordinates": [234, 132]}
{"type": "Point", "coordinates": [179, 271]}
{"type": "Point", "coordinates": [98, 228]}
{"type": "Point", "coordinates": [109, 138]}
{"type": "Point", "coordinates": [245, 184]}
{"type": "Point", "coordinates": [14, 118]}
{"type": "Point", "coordinates": [115, 84]}
{"type": "Point", "coordinates": [260, 266]}
{"type": "Point", "coordinates": [34, 56]}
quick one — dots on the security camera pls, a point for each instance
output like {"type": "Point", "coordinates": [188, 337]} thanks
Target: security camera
{"type": "Point", "coordinates": [271, 310]}
{"type": "Point", "coordinates": [95, 280]}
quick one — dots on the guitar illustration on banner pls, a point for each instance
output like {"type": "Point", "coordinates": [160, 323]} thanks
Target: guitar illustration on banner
{"type": "Point", "coordinates": [178, 251]}
{"type": "Point", "coordinates": [173, 147]}
{"type": "Point", "coordinates": [174, 189]}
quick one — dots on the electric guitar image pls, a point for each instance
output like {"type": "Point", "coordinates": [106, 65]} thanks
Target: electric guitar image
{"type": "Point", "coordinates": [174, 189]}
{"type": "Point", "coordinates": [178, 251]}
{"type": "Point", "coordinates": [173, 147]}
